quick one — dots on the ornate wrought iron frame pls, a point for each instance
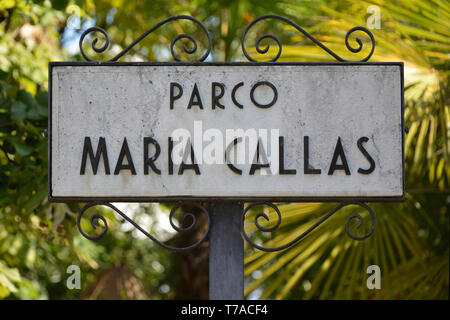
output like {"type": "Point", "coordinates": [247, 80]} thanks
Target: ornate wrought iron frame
{"type": "Point", "coordinates": [254, 201]}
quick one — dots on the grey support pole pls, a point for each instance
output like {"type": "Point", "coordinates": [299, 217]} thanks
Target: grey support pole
{"type": "Point", "coordinates": [226, 252]}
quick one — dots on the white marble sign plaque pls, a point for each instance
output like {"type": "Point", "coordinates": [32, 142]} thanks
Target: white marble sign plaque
{"type": "Point", "coordinates": [284, 131]}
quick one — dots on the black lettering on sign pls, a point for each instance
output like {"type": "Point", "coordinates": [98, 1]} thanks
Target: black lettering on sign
{"type": "Point", "coordinates": [307, 168]}
{"type": "Point", "coordinates": [192, 166]}
{"type": "Point", "coordinates": [174, 97]}
{"type": "Point", "coordinates": [339, 153]}
{"type": "Point", "coordinates": [257, 165]}
{"type": "Point", "coordinates": [125, 152]}
{"type": "Point", "coordinates": [266, 83]}
{"type": "Point", "coordinates": [95, 160]}
{"type": "Point", "coordinates": [195, 99]}
{"type": "Point", "coordinates": [282, 170]}
{"type": "Point", "coordinates": [215, 98]}
{"type": "Point", "coordinates": [151, 161]}
{"type": "Point", "coordinates": [233, 95]}
{"type": "Point", "coordinates": [367, 155]}
{"type": "Point", "coordinates": [227, 151]}
{"type": "Point", "coordinates": [170, 161]}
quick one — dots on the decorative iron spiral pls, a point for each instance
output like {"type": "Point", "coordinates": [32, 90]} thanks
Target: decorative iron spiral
{"type": "Point", "coordinates": [313, 39]}
{"type": "Point", "coordinates": [142, 36]}
{"type": "Point", "coordinates": [273, 228]}
{"type": "Point", "coordinates": [97, 216]}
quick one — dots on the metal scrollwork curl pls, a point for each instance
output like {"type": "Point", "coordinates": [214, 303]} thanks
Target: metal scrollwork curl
{"type": "Point", "coordinates": [92, 219]}
{"type": "Point", "coordinates": [358, 216]}
{"type": "Point", "coordinates": [192, 217]}
{"type": "Point", "coordinates": [314, 226]}
{"type": "Point", "coordinates": [94, 41]}
{"type": "Point", "coordinates": [313, 39]}
{"type": "Point", "coordinates": [142, 36]}
{"type": "Point", "coordinates": [360, 44]}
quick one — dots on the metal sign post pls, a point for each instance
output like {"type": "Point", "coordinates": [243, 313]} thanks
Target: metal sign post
{"type": "Point", "coordinates": [226, 134]}
{"type": "Point", "coordinates": [226, 252]}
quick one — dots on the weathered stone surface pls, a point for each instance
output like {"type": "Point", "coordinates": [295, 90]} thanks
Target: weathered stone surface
{"type": "Point", "coordinates": [323, 102]}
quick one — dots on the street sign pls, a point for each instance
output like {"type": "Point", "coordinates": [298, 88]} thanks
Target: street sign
{"type": "Point", "coordinates": [275, 131]}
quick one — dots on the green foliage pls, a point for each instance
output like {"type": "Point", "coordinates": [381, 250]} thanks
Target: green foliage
{"type": "Point", "coordinates": [410, 242]}
{"type": "Point", "coordinates": [39, 240]}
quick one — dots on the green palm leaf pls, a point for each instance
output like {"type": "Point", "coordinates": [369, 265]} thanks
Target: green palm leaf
{"type": "Point", "coordinates": [410, 241]}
